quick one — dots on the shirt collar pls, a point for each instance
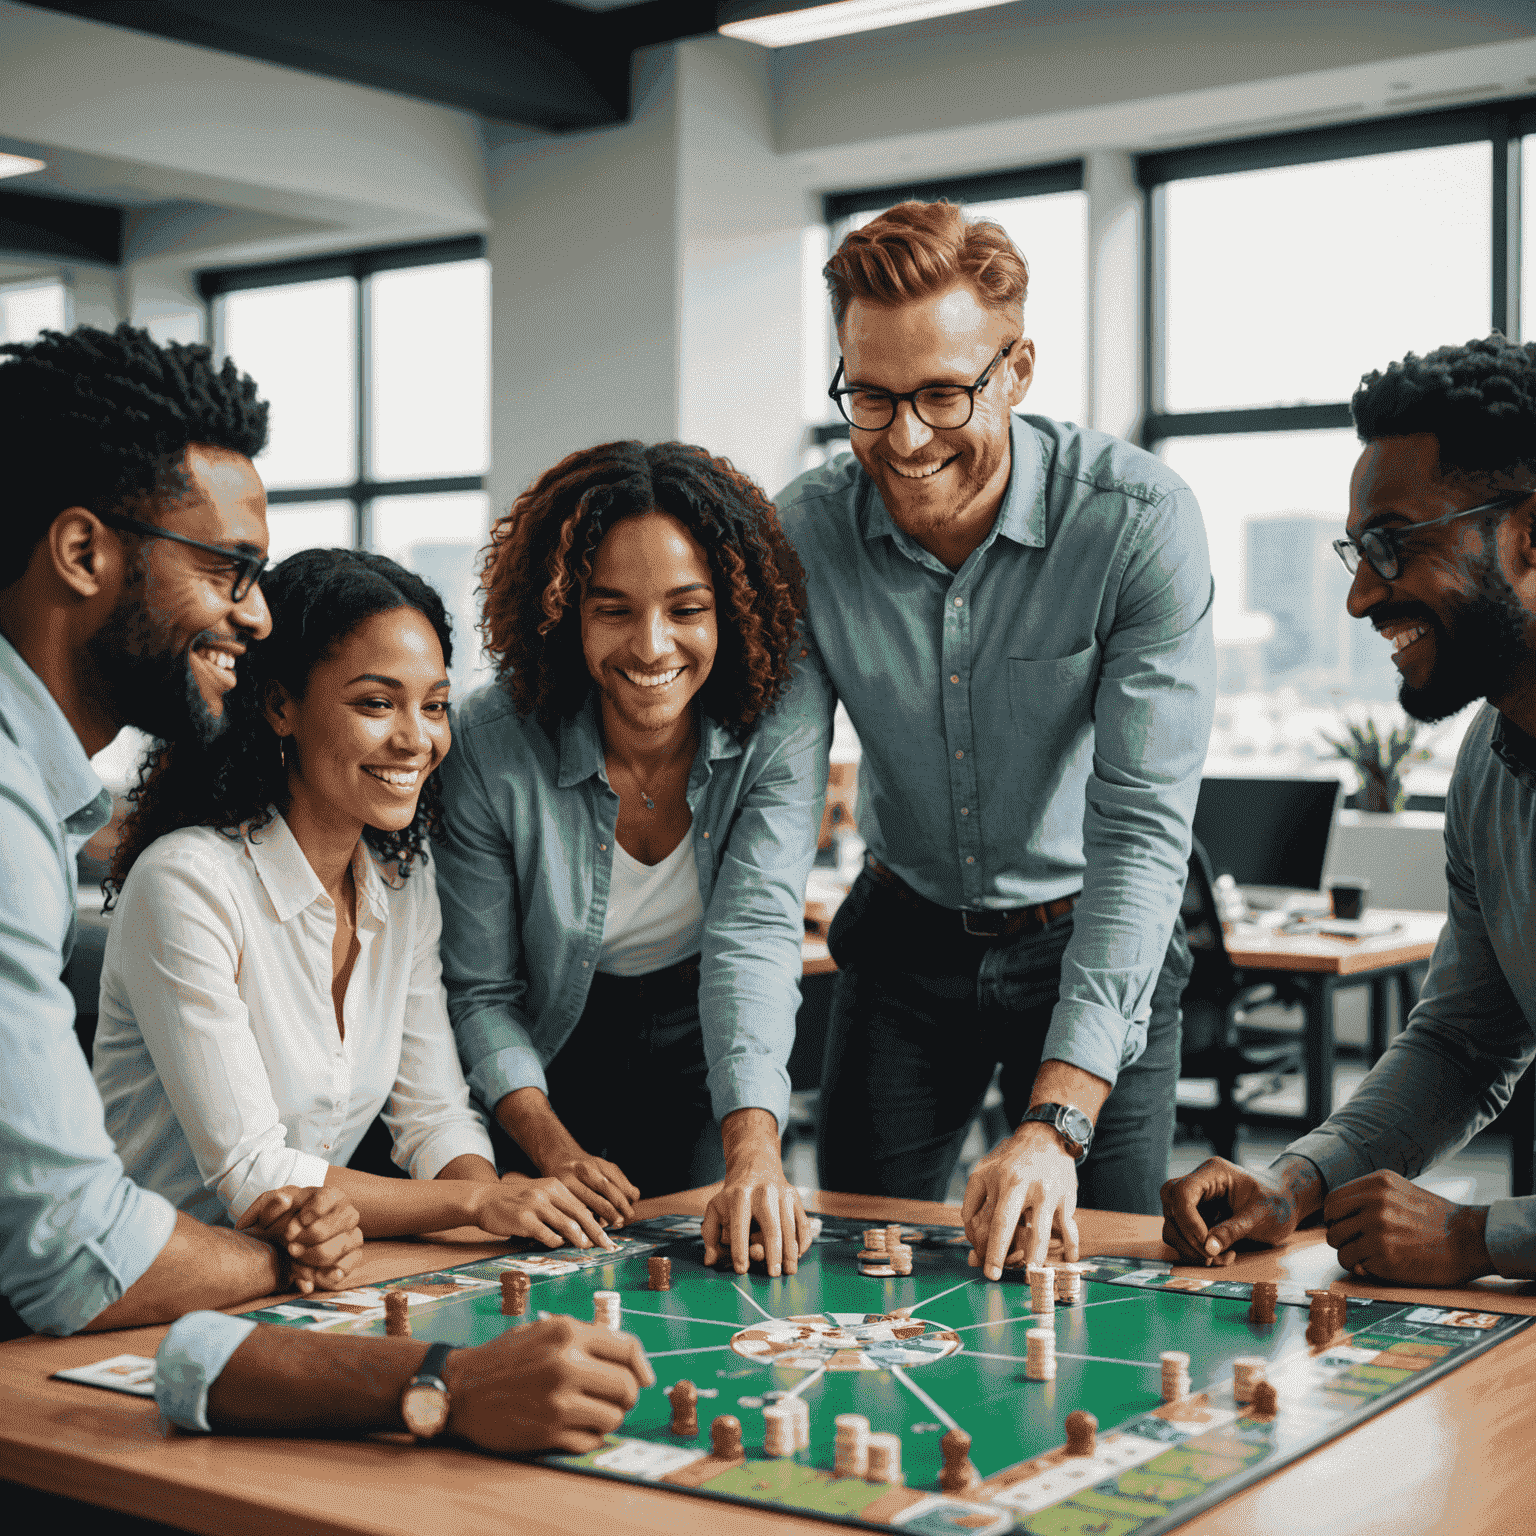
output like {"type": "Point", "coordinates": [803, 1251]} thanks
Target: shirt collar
{"type": "Point", "coordinates": [1516, 750]}
{"type": "Point", "coordinates": [292, 885]}
{"type": "Point", "coordinates": [1020, 518]}
{"type": "Point", "coordinates": [31, 717]}
{"type": "Point", "coordinates": [581, 745]}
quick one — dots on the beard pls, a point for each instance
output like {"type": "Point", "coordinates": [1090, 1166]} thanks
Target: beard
{"type": "Point", "coordinates": [1476, 653]}
{"type": "Point", "coordinates": [149, 683]}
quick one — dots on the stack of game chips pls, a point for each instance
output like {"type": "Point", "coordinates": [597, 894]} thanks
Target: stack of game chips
{"type": "Point", "coordinates": [1261, 1305]}
{"type": "Point", "coordinates": [1069, 1283]}
{"type": "Point", "coordinates": [515, 1286]}
{"type": "Point", "coordinates": [850, 1447]}
{"type": "Point", "coordinates": [660, 1272]}
{"type": "Point", "coordinates": [1175, 1374]}
{"type": "Point", "coordinates": [397, 1320]}
{"type": "Point", "coordinates": [893, 1237]}
{"type": "Point", "coordinates": [1040, 1354]}
{"type": "Point", "coordinates": [605, 1309]}
{"type": "Point", "coordinates": [874, 1240]}
{"type": "Point", "coordinates": [884, 1460]}
{"type": "Point", "coordinates": [900, 1255]}
{"type": "Point", "coordinates": [875, 1258]}
{"type": "Point", "coordinates": [779, 1429]}
{"type": "Point", "coordinates": [1247, 1373]}
{"type": "Point", "coordinates": [1042, 1288]}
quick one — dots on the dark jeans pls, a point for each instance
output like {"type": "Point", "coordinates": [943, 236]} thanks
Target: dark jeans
{"type": "Point", "coordinates": [918, 1026]}
{"type": "Point", "coordinates": [630, 1083]}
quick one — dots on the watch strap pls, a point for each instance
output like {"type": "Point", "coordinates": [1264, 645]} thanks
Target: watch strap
{"type": "Point", "coordinates": [1058, 1116]}
{"type": "Point", "coordinates": [430, 1371]}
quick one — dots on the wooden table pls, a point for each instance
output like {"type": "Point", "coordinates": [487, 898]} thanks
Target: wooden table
{"type": "Point", "coordinates": [1455, 1458]}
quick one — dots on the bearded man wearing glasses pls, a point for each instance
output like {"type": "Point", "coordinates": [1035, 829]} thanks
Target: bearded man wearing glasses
{"type": "Point", "coordinates": [1016, 613]}
{"type": "Point", "coordinates": [1441, 545]}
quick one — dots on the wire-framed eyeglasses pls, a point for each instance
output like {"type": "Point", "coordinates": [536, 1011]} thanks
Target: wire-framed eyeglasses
{"type": "Point", "coordinates": [941, 406]}
{"type": "Point", "coordinates": [247, 567]}
{"type": "Point", "coordinates": [1383, 547]}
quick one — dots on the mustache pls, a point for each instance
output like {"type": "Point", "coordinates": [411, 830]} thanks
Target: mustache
{"type": "Point", "coordinates": [1395, 613]}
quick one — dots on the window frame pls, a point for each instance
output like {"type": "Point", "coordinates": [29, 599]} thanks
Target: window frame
{"type": "Point", "coordinates": [361, 492]}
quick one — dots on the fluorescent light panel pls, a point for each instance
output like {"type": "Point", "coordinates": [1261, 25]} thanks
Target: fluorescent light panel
{"type": "Point", "coordinates": [18, 165]}
{"type": "Point", "coordinates": [787, 28]}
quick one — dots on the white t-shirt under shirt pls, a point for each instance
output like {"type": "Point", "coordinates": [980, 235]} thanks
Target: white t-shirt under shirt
{"type": "Point", "coordinates": [655, 914]}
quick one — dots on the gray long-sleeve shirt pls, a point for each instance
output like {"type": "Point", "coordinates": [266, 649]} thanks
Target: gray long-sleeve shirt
{"type": "Point", "coordinates": [1473, 1032]}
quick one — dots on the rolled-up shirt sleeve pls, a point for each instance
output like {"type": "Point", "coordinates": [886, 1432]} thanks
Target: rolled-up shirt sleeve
{"type": "Point", "coordinates": [749, 971]}
{"type": "Point", "coordinates": [1153, 707]}
{"type": "Point", "coordinates": [175, 948]}
{"type": "Point", "coordinates": [189, 1361]}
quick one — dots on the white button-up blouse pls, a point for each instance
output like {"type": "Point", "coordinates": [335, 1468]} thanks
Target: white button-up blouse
{"type": "Point", "coordinates": [217, 1053]}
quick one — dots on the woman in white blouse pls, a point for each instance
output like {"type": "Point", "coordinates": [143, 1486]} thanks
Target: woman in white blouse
{"type": "Point", "coordinates": [271, 980]}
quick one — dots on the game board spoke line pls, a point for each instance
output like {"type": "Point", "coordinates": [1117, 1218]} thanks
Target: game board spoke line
{"type": "Point", "coordinates": [1114, 1301]}
{"type": "Point", "coordinates": [810, 1380]}
{"type": "Point", "coordinates": [1140, 1365]}
{"type": "Point", "coordinates": [700, 1349]}
{"type": "Point", "coordinates": [748, 1296]}
{"type": "Point", "coordinates": [679, 1317]}
{"type": "Point", "coordinates": [923, 1397]}
{"type": "Point", "coordinates": [996, 1322]}
{"type": "Point", "coordinates": [929, 1300]}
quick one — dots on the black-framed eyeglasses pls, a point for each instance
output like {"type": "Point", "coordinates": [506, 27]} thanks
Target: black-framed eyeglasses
{"type": "Point", "coordinates": [248, 568]}
{"type": "Point", "coordinates": [941, 406]}
{"type": "Point", "coordinates": [1383, 547]}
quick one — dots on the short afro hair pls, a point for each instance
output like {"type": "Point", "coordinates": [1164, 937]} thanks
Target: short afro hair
{"type": "Point", "coordinates": [1477, 400]}
{"type": "Point", "coordinates": [100, 421]}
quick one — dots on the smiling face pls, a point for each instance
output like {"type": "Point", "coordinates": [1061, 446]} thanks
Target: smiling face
{"type": "Point", "coordinates": [648, 627]}
{"type": "Point", "coordinates": [933, 481]}
{"type": "Point", "coordinates": [1457, 626]}
{"type": "Point", "coordinates": [168, 652]}
{"type": "Point", "coordinates": [371, 727]}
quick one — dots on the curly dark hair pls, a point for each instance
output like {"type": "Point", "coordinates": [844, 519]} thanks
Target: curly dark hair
{"type": "Point", "coordinates": [1478, 401]}
{"type": "Point", "coordinates": [100, 420]}
{"type": "Point", "coordinates": [317, 597]}
{"type": "Point", "coordinates": [541, 553]}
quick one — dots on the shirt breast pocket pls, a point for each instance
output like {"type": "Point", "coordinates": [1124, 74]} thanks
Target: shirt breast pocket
{"type": "Point", "coordinates": [1052, 699]}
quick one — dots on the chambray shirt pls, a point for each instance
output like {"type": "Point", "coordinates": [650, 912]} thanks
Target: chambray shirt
{"type": "Point", "coordinates": [1036, 722]}
{"type": "Point", "coordinates": [526, 863]}
{"type": "Point", "coordinates": [1473, 1031]}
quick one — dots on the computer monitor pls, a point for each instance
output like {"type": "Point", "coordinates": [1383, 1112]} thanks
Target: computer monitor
{"type": "Point", "coordinates": [1268, 832]}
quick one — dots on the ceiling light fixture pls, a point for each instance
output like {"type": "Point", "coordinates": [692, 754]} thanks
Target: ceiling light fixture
{"type": "Point", "coordinates": [18, 165]}
{"type": "Point", "coordinates": [784, 29]}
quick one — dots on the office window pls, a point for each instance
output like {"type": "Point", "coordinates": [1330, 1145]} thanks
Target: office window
{"type": "Point", "coordinates": [377, 367]}
{"type": "Point", "coordinates": [26, 308]}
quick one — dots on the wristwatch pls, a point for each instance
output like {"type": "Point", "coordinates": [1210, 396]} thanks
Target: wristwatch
{"type": "Point", "coordinates": [424, 1403]}
{"type": "Point", "coordinates": [1072, 1125]}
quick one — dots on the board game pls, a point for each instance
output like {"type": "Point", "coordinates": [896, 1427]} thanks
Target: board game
{"type": "Point", "coordinates": [943, 1349]}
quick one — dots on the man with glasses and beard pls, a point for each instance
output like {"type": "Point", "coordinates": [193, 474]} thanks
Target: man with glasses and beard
{"type": "Point", "coordinates": [1442, 546]}
{"type": "Point", "coordinates": [135, 538]}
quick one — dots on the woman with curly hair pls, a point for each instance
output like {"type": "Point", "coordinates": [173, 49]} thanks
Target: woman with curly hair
{"type": "Point", "coordinates": [629, 819]}
{"type": "Point", "coordinates": [271, 980]}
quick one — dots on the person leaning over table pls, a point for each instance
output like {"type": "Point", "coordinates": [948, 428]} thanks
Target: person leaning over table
{"type": "Point", "coordinates": [1016, 613]}
{"type": "Point", "coordinates": [136, 536]}
{"type": "Point", "coordinates": [630, 814]}
{"type": "Point", "coordinates": [1442, 544]}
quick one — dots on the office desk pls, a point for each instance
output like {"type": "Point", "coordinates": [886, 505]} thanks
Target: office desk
{"type": "Point", "coordinates": [1451, 1459]}
{"type": "Point", "coordinates": [1312, 968]}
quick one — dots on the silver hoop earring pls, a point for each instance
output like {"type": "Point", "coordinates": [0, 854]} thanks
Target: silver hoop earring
{"type": "Point", "coordinates": [282, 752]}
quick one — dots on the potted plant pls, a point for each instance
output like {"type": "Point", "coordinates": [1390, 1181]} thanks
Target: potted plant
{"type": "Point", "coordinates": [1380, 761]}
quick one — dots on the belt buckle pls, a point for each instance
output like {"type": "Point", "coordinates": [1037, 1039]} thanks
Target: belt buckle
{"type": "Point", "coordinates": [983, 923]}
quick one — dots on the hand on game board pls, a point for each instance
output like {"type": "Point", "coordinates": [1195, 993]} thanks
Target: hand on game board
{"type": "Point", "coordinates": [553, 1385]}
{"type": "Point", "coordinates": [315, 1229]}
{"type": "Point", "coordinates": [755, 1191]}
{"type": "Point", "coordinates": [600, 1185]}
{"type": "Point", "coordinates": [1264, 1205]}
{"type": "Point", "coordinates": [517, 1206]}
{"type": "Point", "coordinates": [1021, 1191]}
{"type": "Point", "coordinates": [1389, 1229]}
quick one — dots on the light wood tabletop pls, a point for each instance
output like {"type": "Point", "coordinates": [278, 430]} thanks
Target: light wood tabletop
{"type": "Point", "coordinates": [1254, 948]}
{"type": "Point", "coordinates": [1454, 1458]}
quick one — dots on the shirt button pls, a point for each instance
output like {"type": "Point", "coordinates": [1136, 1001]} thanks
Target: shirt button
{"type": "Point", "coordinates": [706, 836]}
{"type": "Point", "coordinates": [970, 860]}
{"type": "Point", "coordinates": [959, 754]}
{"type": "Point", "coordinates": [602, 847]}
{"type": "Point", "coordinates": [325, 1146]}
{"type": "Point", "coordinates": [965, 810]}
{"type": "Point", "coordinates": [954, 677]}
{"type": "Point", "coordinates": [959, 602]}
{"type": "Point", "coordinates": [584, 965]}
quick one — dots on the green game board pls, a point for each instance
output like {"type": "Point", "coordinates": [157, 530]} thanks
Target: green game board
{"type": "Point", "coordinates": [1156, 1464]}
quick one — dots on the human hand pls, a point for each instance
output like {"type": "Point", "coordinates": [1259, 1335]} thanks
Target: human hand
{"type": "Point", "coordinates": [1386, 1228]}
{"type": "Point", "coordinates": [517, 1206]}
{"type": "Point", "coordinates": [599, 1185]}
{"type": "Point", "coordinates": [1021, 1191]}
{"type": "Point", "coordinates": [755, 1190]}
{"type": "Point", "coordinates": [315, 1228]}
{"type": "Point", "coordinates": [1264, 1205]}
{"type": "Point", "coordinates": [552, 1385]}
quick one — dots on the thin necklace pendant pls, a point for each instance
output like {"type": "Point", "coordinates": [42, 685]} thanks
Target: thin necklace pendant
{"type": "Point", "coordinates": [650, 804]}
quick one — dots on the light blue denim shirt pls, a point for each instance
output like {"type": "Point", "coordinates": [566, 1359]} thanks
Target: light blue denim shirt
{"type": "Point", "coordinates": [189, 1361]}
{"type": "Point", "coordinates": [1036, 722]}
{"type": "Point", "coordinates": [1473, 1031]}
{"type": "Point", "coordinates": [523, 874]}
{"type": "Point", "coordinates": [75, 1231]}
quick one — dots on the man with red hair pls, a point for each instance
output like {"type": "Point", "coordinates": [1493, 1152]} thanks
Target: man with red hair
{"type": "Point", "coordinates": [1016, 614]}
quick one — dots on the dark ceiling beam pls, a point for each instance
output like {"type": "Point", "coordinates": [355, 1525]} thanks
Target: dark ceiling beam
{"type": "Point", "coordinates": [537, 62]}
{"type": "Point", "coordinates": [60, 227]}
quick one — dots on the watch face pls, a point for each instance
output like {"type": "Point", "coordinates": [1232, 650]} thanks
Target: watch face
{"type": "Point", "coordinates": [424, 1409]}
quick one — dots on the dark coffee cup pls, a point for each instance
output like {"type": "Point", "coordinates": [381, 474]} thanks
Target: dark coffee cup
{"type": "Point", "coordinates": [1349, 898]}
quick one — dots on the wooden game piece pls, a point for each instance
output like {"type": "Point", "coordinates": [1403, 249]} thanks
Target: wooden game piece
{"type": "Point", "coordinates": [1262, 1300]}
{"type": "Point", "coordinates": [959, 1473]}
{"type": "Point", "coordinates": [901, 1259]}
{"type": "Point", "coordinates": [397, 1321]}
{"type": "Point", "coordinates": [1322, 1317]}
{"type": "Point", "coordinates": [874, 1239]}
{"type": "Point", "coordinates": [779, 1429]}
{"type": "Point", "coordinates": [1175, 1366]}
{"type": "Point", "coordinates": [850, 1446]}
{"type": "Point", "coordinates": [1082, 1433]}
{"type": "Point", "coordinates": [1040, 1354]}
{"type": "Point", "coordinates": [893, 1236]}
{"type": "Point", "coordinates": [802, 1410]}
{"type": "Point", "coordinates": [685, 1408]}
{"type": "Point", "coordinates": [1042, 1288]}
{"type": "Point", "coordinates": [725, 1438]}
{"type": "Point", "coordinates": [660, 1273]}
{"type": "Point", "coordinates": [515, 1286]}
{"type": "Point", "coordinates": [1069, 1283]}
{"type": "Point", "coordinates": [605, 1309]}
{"type": "Point", "coordinates": [884, 1459]}
{"type": "Point", "coordinates": [1247, 1373]}
{"type": "Point", "coordinates": [1266, 1401]}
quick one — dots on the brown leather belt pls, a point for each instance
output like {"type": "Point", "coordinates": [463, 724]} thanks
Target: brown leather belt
{"type": "Point", "coordinates": [976, 922]}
